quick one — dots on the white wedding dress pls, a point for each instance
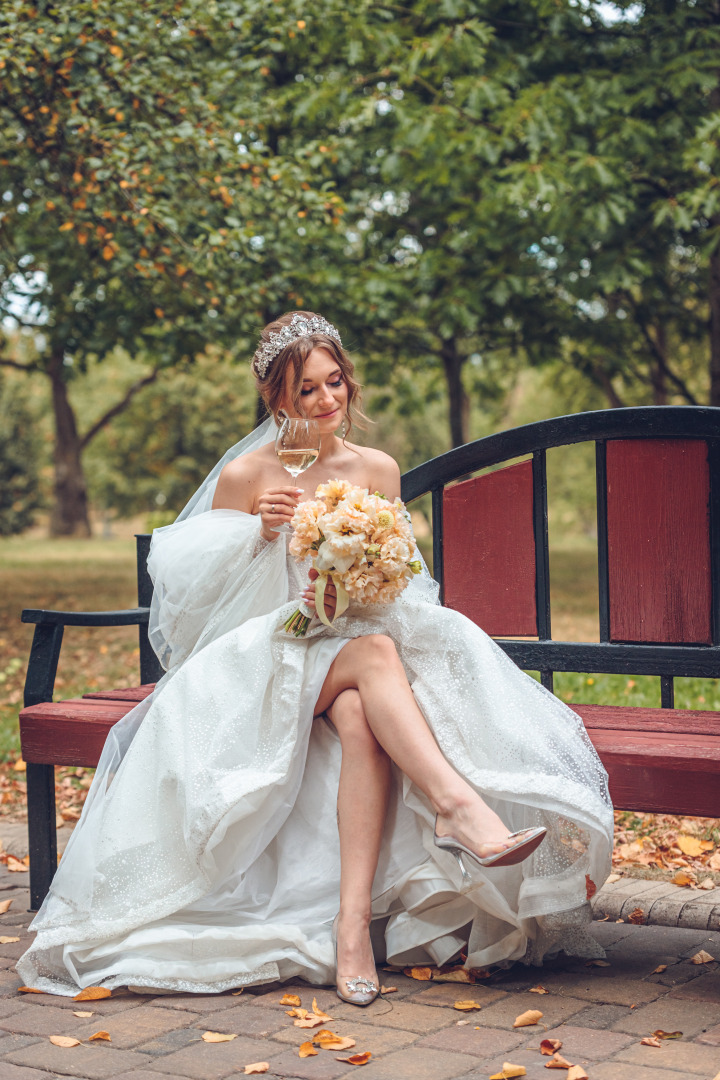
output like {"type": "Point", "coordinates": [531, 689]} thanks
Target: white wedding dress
{"type": "Point", "coordinates": [207, 855]}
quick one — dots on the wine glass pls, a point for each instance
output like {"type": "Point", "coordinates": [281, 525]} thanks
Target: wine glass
{"type": "Point", "coordinates": [297, 446]}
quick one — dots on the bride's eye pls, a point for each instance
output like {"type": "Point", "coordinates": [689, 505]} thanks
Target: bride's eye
{"type": "Point", "coordinates": [338, 383]}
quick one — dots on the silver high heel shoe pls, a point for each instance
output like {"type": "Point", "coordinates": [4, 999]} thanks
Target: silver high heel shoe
{"type": "Point", "coordinates": [360, 991]}
{"type": "Point", "coordinates": [507, 857]}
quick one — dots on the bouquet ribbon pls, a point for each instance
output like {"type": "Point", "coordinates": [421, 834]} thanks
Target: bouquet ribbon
{"type": "Point", "coordinates": [342, 600]}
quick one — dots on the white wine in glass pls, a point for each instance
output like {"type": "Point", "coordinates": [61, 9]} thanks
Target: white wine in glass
{"type": "Point", "coordinates": [297, 446]}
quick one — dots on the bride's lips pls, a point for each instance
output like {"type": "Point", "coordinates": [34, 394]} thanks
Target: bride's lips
{"type": "Point", "coordinates": [324, 416]}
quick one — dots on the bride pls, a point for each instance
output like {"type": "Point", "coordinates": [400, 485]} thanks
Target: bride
{"type": "Point", "coordinates": [472, 811]}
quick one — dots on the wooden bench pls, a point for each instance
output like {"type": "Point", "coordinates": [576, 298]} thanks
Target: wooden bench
{"type": "Point", "coordinates": [658, 509]}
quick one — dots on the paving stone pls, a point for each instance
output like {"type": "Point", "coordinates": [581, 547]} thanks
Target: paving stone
{"type": "Point", "coordinates": [711, 1036]}
{"type": "Point", "coordinates": [137, 1074]}
{"type": "Point", "coordinates": [474, 1040]}
{"type": "Point", "coordinates": [245, 1020]}
{"type": "Point", "coordinates": [9, 983]}
{"type": "Point", "coordinates": [327, 1000]}
{"type": "Point", "coordinates": [399, 1014]}
{"type": "Point", "coordinates": [448, 993]}
{"type": "Point", "coordinates": [43, 1020]}
{"type": "Point", "coordinates": [615, 1070]}
{"type": "Point", "coordinates": [197, 1003]}
{"type": "Point", "coordinates": [554, 1007]}
{"type": "Point", "coordinates": [415, 1064]}
{"type": "Point", "coordinates": [379, 1040]}
{"type": "Point", "coordinates": [609, 933]}
{"type": "Point", "coordinates": [709, 942]}
{"type": "Point", "coordinates": [705, 988]}
{"type": "Point", "coordinates": [8, 1006]}
{"type": "Point", "coordinates": [128, 1030]}
{"type": "Point", "coordinates": [584, 1044]}
{"type": "Point", "coordinates": [19, 1072]}
{"type": "Point", "coordinates": [669, 1014]}
{"type": "Point", "coordinates": [95, 1063]}
{"type": "Point", "coordinates": [214, 1061]}
{"type": "Point", "coordinates": [323, 1067]}
{"type": "Point", "coordinates": [406, 987]}
{"type": "Point", "coordinates": [650, 941]}
{"type": "Point", "coordinates": [16, 1042]}
{"type": "Point", "coordinates": [603, 985]}
{"type": "Point", "coordinates": [170, 1042]}
{"type": "Point", "coordinates": [600, 1016]}
{"type": "Point", "coordinates": [103, 1007]}
{"type": "Point", "coordinates": [692, 1057]}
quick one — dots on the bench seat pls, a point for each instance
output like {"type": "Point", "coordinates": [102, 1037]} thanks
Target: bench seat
{"type": "Point", "coordinates": [658, 760]}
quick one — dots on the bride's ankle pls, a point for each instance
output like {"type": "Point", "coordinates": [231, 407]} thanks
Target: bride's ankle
{"type": "Point", "coordinates": [451, 807]}
{"type": "Point", "coordinates": [351, 915]}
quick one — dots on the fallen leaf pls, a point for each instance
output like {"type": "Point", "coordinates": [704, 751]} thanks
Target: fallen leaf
{"type": "Point", "coordinates": [637, 916]}
{"type": "Point", "coordinates": [216, 1037]}
{"type": "Point", "coordinates": [300, 1013]}
{"type": "Point", "coordinates": [311, 1021]}
{"type": "Point", "coordinates": [702, 957]}
{"type": "Point", "coordinates": [708, 883]}
{"type": "Point", "coordinates": [20, 765]}
{"type": "Point", "coordinates": [659, 969]}
{"type": "Point", "coordinates": [64, 1040]}
{"type": "Point", "coordinates": [550, 1046]}
{"type": "Point", "coordinates": [307, 1050]}
{"type": "Point", "coordinates": [93, 993]}
{"type": "Point", "coordinates": [557, 1061]}
{"type": "Point", "coordinates": [466, 1006]}
{"type": "Point", "coordinates": [421, 974]}
{"type": "Point", "coordinates": [290, 999]}
{"type": "Point", "coordinates": [104, 1035]}
{"type": "Point", "coordinates": [508, 1071]}
{"type": "Point", "coordinates": [619, 920]}
{"type": "Point", "coordinates": [333, 1042]}
{"type": "Point", "coordinates": [256, 1067]}
{"type": "Point", "coordinates": [668, 1034]}
{"type": "Point", "coordinates": [604, 918]}
{"type": "Point", "coordinates": [612, 878]}
{"type": "Point", "coordinates": [682, 878]}
{"type": "Point", "coordinates": [357, 1059]}
{"type": "Point", "coordinates": [319, 1012]}
{"type": "Point", "coordinates": [16, 866]}
{"type": "Point", "coordinates": [83, 1014]}
{"type": "Point", "coordinates": [538, 990]}
{"type": "Point", "coordinates": [5, 906]}
{"type": "Point", "coordinates": [459, 975]}
{"type": "Point", "coordinates": [690, 845]}
{"type": "Point", "coordinates": [590, 887]}
{"type": "Point", "coordinates": [236, 993]}
{"type": "Point", "coordinates": [388, 989]}
{"type": "Point", "coordinates": [597, 963]}
{"type": "Point", "coordinates": [650, 1040]}
{"type": "Point", "coordinates": [577, 1073]}
{"type": "Point", "coordinates": [527, 1019]}
{"type": "Point", "coordinates": [461, 1023]}
{"type": "Point", "coordinates": [8, 940]}
{"type": "Point", "coordinates": [29, 990]}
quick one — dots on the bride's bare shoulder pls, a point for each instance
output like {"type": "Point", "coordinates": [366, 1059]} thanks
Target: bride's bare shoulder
{"type": "Point", "coordinates": [240, 479]}
{"type": "Point", "coordinates": [383, 470]}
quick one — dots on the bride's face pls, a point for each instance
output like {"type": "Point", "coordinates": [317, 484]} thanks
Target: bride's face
{"type": "Point", "coordinates": [324, 394]}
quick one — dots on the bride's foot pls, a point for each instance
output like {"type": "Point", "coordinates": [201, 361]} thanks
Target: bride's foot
{"type": "Point", "coordinates": [357, 980]}
{"type": "Point", "coordinates": [480, 831]}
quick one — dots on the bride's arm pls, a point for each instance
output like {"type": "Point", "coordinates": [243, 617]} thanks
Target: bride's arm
{"type": "Point", "coordinates": [241, 487]}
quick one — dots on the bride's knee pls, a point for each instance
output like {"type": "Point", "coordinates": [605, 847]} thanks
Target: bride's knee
{"type": "Point", "coordinates": [348, 716]}
{"type": "Point", "coordinates": [377, 649]}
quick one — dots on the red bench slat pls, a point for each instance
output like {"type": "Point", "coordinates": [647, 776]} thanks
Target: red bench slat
{"type": "Point", "coordinates": [489, 551]}
{"type": "Point", "coordinates": [129, 693]}
{"type": "Point", "coordinates": [635, 718]}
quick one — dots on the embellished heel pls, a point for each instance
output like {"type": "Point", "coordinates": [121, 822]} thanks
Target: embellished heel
{"type": "Point", "coordinates": [358, 990]}
{"type": "Point", "coordinates": [516, 853]}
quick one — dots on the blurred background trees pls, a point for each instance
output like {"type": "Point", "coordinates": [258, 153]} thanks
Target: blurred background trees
{"type": "Point", "coordinates": [510, 209]}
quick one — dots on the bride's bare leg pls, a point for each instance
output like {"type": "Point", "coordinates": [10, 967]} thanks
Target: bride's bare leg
{"type": "Point", "coordinates": [372, 666]}
{"type": "Point", "coordinates": [362, 807]}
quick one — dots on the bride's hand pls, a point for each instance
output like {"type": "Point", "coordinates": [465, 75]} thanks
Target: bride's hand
{"type": "Point", "coordinates": [330, 595]}
{"type": "Point", "coordinates": [276, 507]}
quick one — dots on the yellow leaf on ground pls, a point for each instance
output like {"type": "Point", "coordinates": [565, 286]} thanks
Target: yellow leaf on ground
{"type": "Point", "coordinates": [29, 990]}
{"type": "Point", "coordinates": [388, 989]}
{"type": "Point", "coordinates": [550, 1046]}
{"type": "Point", "coordinates": [538, 990]}
{"type": "Point", "coordinates": [216, 1037]}
{"type": "Point", "coordinates": [577, 1073]}
{"type": "Point", "coordinates": [690, 845]}
{"type": "Point", "coordinates": [16, 865]}
{"type": "Point", "coordinates": [327, 1040]}
{"type": "Point", "coordinates": [236, 993]}
{"type": "Point", "coordinates": [83, 1014]}
{"type": "Point", "coordinates": [93, 993]}
{"type": "Point", "coordinates": [104, 1035]}
{"type": "Point", "coordinates": [597, 963]}
{"type": "Point", "coordinates": [659, 969]}
{"type": "Point", "coordinates": [319, 1012]}
{"type": "Point", "coordinates": [668, 1034]}
{"type": "Point", "coordinates": [707, 845]}
{"type": "Point", "coordinates": [637, 916]}
{"type": "Point", "coordinates": [64, 1040]}
{"type": "Point", "coordinates": [462, 1023]}
{"type": "Point", "coordinates": [8, 940]}
{"type": "Point", "coordinates": [301, 1013]}
{"type": "Point", "coordinates": [5, 906]}
{"type": "Point", "coordinates": [650, 1040]}
{"type": "Point", "coordinates": [527, 1019]}
{"type": "Point", "coordinates": [702, 957]}
{"type": "Point", "coordinates": [256, 1067]}
{"type": "Point", "coordinates": [459, 975]}
{"type": "Point", "coordinates": [20, 765]}
{"type": "Point", "coordinates": [612, 878]}
{"type": "Point", "coordinates": [422, 974]}
{"type": "Point", "coordinates": [290, 999]}
{"type": "Point", "coordinates": [509, 1071]}
{"type": "Point", "coordinates": [557, 1061]}
{"type": "Point", "coordinates": [357, 1059]}
{"type": "Point", "coordinates": [311, 1021]}
{"type": "Point", "coordinates": [708, 883]}
{"type": "Point", "coordinates": [307, 1050]}
{"type": "Point", "coordinates": [465, 1006]}
{"type": "Point", "coordinates": [682, 878]}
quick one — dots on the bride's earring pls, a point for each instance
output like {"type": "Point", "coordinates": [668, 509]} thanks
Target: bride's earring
{"type": "Point", "coordinates": [344, 428]}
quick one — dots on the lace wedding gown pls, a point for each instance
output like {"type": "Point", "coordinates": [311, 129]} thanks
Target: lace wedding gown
{"type": "Point", "coordinates": [207, 856]}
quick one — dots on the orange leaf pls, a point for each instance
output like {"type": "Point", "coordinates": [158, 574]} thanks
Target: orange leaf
{"type": "Point", "coordinates": [300, 1013]}
{"type": "Point", "coordinates": [8, 940]}
{"type": "Point", "coordinates": [421, 974]}
{"type": "Point", "coordinates": [550, 1046]}
{"type": "Point", "coordinates": [290, 999]}
{"type": "Point", "coordinates": [64, 228]}
{"type": "Point", "coordinates": [650, 1040]}
{"type": "Point", "coordinates": [682, 878]}
{"type": "Point", "coordinates": [388, 989]}
{"type": "Point", "coordinates": [357, 1059]}
{"type": "Point", "coordinates": [108, 252]}
{"type": "Point", "coordinates": [64, 1040]}
{"type": "Point", "coordinates": [16, 865]}
{"type": "Point", "coordinates": [5, 906]}
{"type": "Point", "coordinates": [527, 1019]}
{"type": "Point", "coordinates": [668, 1034]}
{"type": "Point", "coordinates": [702, 957]}
{"type": "Point", "coordinates": [319, 1012]}
{"type": "Point", "coordinates": [538, 990]}
{"type": "Point", "coordinates": [590, 887]}
{"type": "Point", "coordinates": [257, 1067]}
{"type": "Point", "coordinates": [336, 1042]}
{"type": "Point", "coordinates": [557, 1061]}
{"type": "Point", "coordinates": [458, 975]}
{"type": "Point", "coordinates": [465, 1006]}
{"type": "Point", "coordinates": [307, 1050]}
{"type": "Point", "coordinates": [29, 990]}
{"type": "Point", "coordinates": [690, 845]}
{"type": "Point", "coordinates": [311, 1021]}
{"type": "Point", "coordinates": [576, 1073]}
{"type": "Point", "coordinates": [597, 963]}
{"type": "Point", "coordinates": [93, 993]}
{"type": "Point", "coordinates": [637, 916]}
{"type": "Point", "coordinates": [509, 1071]}
{"type": "Point", "coordinates": [83, 1014]}
{"type": "Point", "coordinates": [659, 969]}
{"type": "Point", "coordinates": [216, 1037]}
{"type": "Point", "coordinates": [105, 1035]}
{"type": "Point", "coordinates": [20, 765]}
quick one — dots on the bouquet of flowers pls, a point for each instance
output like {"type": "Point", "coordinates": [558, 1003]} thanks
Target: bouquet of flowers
{"type": "Point", "coordinates": [362, 542]}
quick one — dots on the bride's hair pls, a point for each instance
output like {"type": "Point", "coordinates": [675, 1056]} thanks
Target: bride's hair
{"type": "Point", "coordinates": [293, 356]}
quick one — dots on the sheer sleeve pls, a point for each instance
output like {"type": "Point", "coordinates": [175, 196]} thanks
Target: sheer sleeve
{"type": "Point", "coordinates": [212, 572]}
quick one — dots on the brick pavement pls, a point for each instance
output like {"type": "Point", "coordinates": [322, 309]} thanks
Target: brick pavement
{"type": "Point", "coordinates": [599, 1013]}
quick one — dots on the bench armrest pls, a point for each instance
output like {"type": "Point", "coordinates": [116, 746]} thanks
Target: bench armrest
{"type": "Point", "coordinates": [122, 617]}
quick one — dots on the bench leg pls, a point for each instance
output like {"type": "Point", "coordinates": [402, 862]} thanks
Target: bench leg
{"type": "Point", "coordinates": [42, 835]}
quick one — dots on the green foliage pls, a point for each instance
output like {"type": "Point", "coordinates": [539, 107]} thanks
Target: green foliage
{"type": "Point", "coordinates": [19, 460]}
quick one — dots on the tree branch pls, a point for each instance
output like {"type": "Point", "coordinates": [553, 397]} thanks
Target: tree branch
{"type": "Point", "coordinates": [116, 409]}
{"type": "Point", "coordinates": [663, 365]}
{"type": "Point", "coordinates": [18, 367]}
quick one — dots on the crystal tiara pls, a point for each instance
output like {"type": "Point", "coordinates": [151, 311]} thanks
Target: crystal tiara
{"type": "Point", "coordinates": [299, 327]}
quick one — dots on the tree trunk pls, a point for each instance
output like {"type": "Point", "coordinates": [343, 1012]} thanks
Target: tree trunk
{"type": "Point", "coordinates": [715, 321]}
{"type": "Point", "coordinates": [657, 371]}
{"type": "Point", "coordinates": [459, 403]}
{"type": "Point", "coordinates": [70, 512]}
